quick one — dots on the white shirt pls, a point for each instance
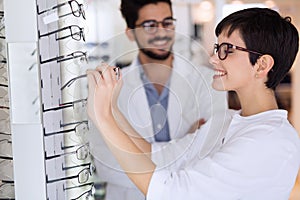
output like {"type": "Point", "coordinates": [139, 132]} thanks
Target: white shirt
{"type": "Point", "coordinates": [258, 157]}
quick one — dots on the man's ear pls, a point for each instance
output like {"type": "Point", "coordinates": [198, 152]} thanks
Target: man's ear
{"type": "Point", "coordinates": [265, 64]}
{"type": "Point", "coordinates": [130, 34]}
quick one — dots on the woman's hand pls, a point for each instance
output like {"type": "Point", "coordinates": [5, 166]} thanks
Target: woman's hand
{"type": "Point", "coordinates": [103, 92]}
{"type": "Point", "coordinates": [130, 152]}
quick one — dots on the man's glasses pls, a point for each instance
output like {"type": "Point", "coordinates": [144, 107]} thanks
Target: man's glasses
{"type": "Point", "coordinates": [76, 54]}
{"type": "Point", "coordinates": [76, 8]}
{"type": "Point", "coordinates": [151, 26]}
{"type": "Point", "coordinates": [224, 49]}
{"type": "Point", "coordinates": [74, 31]}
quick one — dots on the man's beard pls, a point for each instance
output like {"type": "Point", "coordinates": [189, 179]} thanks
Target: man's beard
{"type": "Point", "coordinates": [156, 56]}
{"type": "Point", "coordinates": [151, 54]}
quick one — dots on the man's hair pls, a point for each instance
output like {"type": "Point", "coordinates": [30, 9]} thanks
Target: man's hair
{"type": "Point", "coordinates": [130, 9]}
{"type": "Point", "coordinates": [263, 30]}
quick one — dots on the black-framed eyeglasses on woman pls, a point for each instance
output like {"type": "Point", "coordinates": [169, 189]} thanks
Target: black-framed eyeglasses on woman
{"type": "Point", "coordinates": [77, 9]}
{"type": "Point", "coordinates": [151, 26]}
{"type": "Point", "coordinates": [224, 49]}
{"type": "Point", "coordinates": [76, 33]}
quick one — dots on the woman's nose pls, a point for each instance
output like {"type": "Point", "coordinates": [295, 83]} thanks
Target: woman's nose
{"type": "Point", "coordinates": [214, 59]}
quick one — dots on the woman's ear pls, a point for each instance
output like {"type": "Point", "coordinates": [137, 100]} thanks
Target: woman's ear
{"type": "Point", "coordinates": [265, 64]}
{"type": "Point", "coordinates": [130, 34]}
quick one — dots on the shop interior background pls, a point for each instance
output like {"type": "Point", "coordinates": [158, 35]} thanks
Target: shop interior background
{"type": "Point", "coordinates": [104, 41]}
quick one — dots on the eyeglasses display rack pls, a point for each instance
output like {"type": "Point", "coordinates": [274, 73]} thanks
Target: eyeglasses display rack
{"type": "Point", "coordinates": [47, 117]}
{"type": "Point", "coordinates": [6, 159]}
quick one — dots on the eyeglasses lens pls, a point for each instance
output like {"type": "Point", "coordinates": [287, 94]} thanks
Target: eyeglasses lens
{"type": "Point", "coordinates": [83, 176]}
{"type": "Point", "coordinates": [222, 50]}
{"type": "Point", "coordinates": [152, 26]}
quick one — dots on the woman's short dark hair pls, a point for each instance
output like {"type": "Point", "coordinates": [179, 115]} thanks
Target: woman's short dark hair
{"type": "Point", "coordinates": [264, 30]}
{"type": "Point", "coordinates": [130, 9]}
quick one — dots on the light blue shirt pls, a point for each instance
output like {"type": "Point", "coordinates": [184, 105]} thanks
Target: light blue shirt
{"type": "Point", "coordinates": [158, 105]}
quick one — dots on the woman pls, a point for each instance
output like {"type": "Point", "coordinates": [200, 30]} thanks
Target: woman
{"type": "Point", "coordinates": [257, 153]}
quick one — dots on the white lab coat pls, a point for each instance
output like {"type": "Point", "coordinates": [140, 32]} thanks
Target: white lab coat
{"type": "Point", "coordinates": [191, 97]}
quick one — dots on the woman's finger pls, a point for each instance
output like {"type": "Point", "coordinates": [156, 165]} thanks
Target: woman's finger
{"type": "Point", "coordinates": [108, 74]}
{"type": "Point", "coordinates": [91, 78]}
{"type": "Point", "coordinates": [102, 68]}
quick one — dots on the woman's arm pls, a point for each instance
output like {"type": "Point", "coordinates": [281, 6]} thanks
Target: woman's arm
{"type": "Point", "coordinates": [103, 91]}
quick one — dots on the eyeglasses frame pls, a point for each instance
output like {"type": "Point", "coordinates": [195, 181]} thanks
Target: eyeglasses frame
{"type": "Point", "coordinates": [80, 33]}
{"type": "Point", "coordinates": [218, 46]}
{"type": "Point", "coordinates": [157, 24]}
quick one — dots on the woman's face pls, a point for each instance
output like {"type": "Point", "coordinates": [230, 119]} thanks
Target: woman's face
{"type": "Point", "coordinates": [235, 72]}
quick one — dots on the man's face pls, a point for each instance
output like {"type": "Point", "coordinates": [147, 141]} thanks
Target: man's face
{"type": "Point", "coordinates": [155, 42]}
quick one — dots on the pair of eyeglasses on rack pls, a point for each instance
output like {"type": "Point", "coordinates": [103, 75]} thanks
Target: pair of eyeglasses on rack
{"type": "Point", "coordinates": [6, 146]}
{"type": "Point", "coordinates": [3, 90]}
{"type": "Point", "coordinates": [76, 105]}
{"type": "Point", "coordinates": [3, 80]}
{"type": "Point", "coordinates": [6, 157]}
{"type": "Point", "coordinates": [4, 102]}
{"type": "Point", "coordinates": [82, 176]}
{"type": "Point", "coordinates": [87, 194]}
{"type": "Point", "coordinates": [3, 61]}
{"type": "Point", "coordinates": [62, 58]}
{"type": "Point", "coordinates": [6, 182]}
{"type": "Point", "coordinates": [7, 190]}
{"type": "Point", "coordinates": [4, 107]}
{"type": "Point", "coordinates": [3, 85]}
{"type": "Point", "coordinates": [4, 121]}
{"type": "Point", "coordinates": [90, 165]}
{"type": "Point", "coordinates": [72, 123]}
{"type": "Point", "coordinates": [77, 9]}
{"type": "Point", "coordinates": [77, 186]}
{"type": "Point", "coordinates": [6, 134]}
{"type": "Point", "coordinates": [77, 139]}
{"type": "Point", "coordinates": [6, 164]}
{"type": "Point", "coordinates": [79, 129]}
{"type": "Point", "coordinates": [72, 80]}
{"type": "Point", "coordinates": [81, 152]}
{"type": "Point", "coordinates": [73, 31]}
